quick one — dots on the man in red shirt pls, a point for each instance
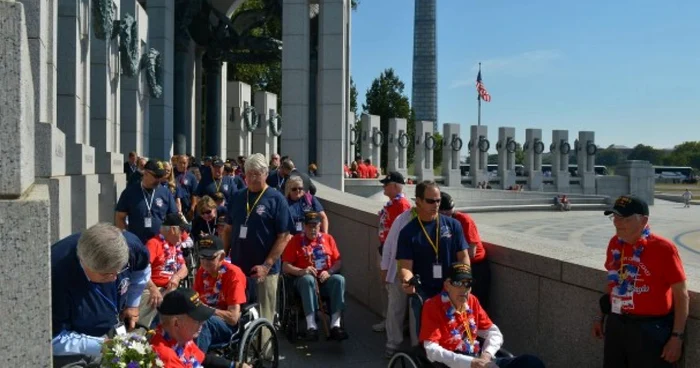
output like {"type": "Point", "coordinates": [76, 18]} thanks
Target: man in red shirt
{"type": "Point", "coordinates": [451, 322]}
{"type": "Point", "coordinates": [362, 169]}
{"type": "Point", "coordinates": [182, 316]}
{"type": "Point", "coordinates": [167, 265]}
{"type": "Point", "coordinates": [647, 294]}
{"type": "Point", "coordinates": [312, 256]}
{"type": "Point", "coordinates": [477, 253]}
{"type": "Point", "coordinates": [221, 285]}
{"type": "Point", "coordinates": [372, 172]}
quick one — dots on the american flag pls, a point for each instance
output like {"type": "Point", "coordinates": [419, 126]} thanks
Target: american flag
{"type": "Point", "coordinates": [481, 90]}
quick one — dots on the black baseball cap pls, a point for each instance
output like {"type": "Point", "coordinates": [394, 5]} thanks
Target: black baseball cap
{"type": "Point", "coordinates": [446, 202]}
{"type": "Point", "coordinates": [185, 301]}
{"type": "Point", "coordinates": [393, 177]}
{"type": "Point", "coordinates": [209, 245]}
{"type": "Point", "coordinates": [312, 218]}
{"type": "Point", "coordinates": [459, 271]}
{"type": "Point", "coordinates": [217, 162]}
{"type": "Point", "coordinates": [156, 167]}
{"type": "Point", "coordinates": [207, 158]}
{"type": "Point", "coordinates": [628, 205]}
{"type": "Point", "coordinates": [173, 219]}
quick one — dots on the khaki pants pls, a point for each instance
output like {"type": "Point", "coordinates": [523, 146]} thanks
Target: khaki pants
{"type": "Point", "coordinates": [395, 315]}
{"type": "Point", "coordinates": [146, 312]}
{"type": "Point", "coordinates": [267, 298]}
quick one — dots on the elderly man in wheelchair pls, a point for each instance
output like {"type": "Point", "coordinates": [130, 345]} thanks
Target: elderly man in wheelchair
{"type": "Point", "coordinates": [312, 260]}
{"type": "Point", "coordinates": [452, 323]}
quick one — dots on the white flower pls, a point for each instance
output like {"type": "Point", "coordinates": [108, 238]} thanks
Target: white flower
{"type": "Point", "coordinates": [159, 363]}
{"type": "Point", "coordinates": [118, 350]}
{"type": "Point", "coordinates": [138, 347]}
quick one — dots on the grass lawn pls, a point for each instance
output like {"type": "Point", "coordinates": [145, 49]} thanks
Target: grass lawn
{"type": "Point", "coordinates": [676, 188]}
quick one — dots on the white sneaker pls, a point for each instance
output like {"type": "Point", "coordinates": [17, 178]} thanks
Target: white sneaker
{"type": "Point", "coordinates": [379, 327]}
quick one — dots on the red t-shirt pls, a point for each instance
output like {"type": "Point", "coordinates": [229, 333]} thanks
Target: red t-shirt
{"type": "Point", "coordinates": [363, 171]}
{"type": "Point", "coordinates": [232, 288]}
{"type": "Point", "coordinates": [660, 267]}
{"type": "Point", "coordinates": [164, 348]}
{"type": "Point", "coordinates": [389, 213]}
{"type": "Point", "coordinates": [434, 321]}
{"type": "Point", "coordinates": [471, 235]}
{"type": "Point", "coordinates": [299, 252]}
{"type": "Point", "coordinates": [164, 262]}
{"type": "Point", "coordinates": [372, 172]}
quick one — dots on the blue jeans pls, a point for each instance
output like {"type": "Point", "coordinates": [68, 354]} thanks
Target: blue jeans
{"type": "Point", "coordinates": [215, 332]}
{"type": "Point", "coordinates": [333, 288]}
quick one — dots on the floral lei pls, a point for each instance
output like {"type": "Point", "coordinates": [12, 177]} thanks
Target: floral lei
{"type": "Point", "coordinates": [383, 214]}
{"type": "Point", "coordinates": [213, 297]}
{"type": "Point", "coordinates": [173, 256]}
{"type": "Point", "coordinates": [190, 362]}
{"type": "Point", "coordinates": [621, 286]}
{"type": "Point", "coordinates": [468, 343]}
{"type": "Point", "coordinates": [309, 250]}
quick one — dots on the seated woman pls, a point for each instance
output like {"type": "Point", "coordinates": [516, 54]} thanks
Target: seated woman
{"type": "Point", "coordinates": [222, 286]}
{"type": "Point", "coordinates": [205, 219]}
{"type": "Point", "coordinates": [301, 202]}
{"type": "Point", "coordinates": [451, 322]}
{"type": "Point", "coordinates": [312, 257]}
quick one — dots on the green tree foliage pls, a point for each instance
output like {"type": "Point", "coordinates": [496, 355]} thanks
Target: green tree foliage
{"type": "Point", "coordinates": [609, 157]}
{"type": "Point", "coordinates": [519, 154]}
{"type": "Point", "coordinates": [353, 97]}
{"type": "Point", "coordinates": [437, 153]}
{"type": "Point", "coordinates": [386, 99]}
{"type": "Point", "coordinates": [646, 153]}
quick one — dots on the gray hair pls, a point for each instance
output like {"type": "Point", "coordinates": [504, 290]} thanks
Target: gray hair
{"type": "Point", "coordinates": [256, 162]}
{"type": "Point", "coordinates": [288, 185]}
{"type": "Point", "coordinates": [103, 248]}
{"type": "Point", "coordinates": [219, 253]}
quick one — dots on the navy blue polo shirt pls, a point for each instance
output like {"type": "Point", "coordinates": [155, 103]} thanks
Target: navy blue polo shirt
{"type": "Point", "coordinates": [275, 180]}
{"type": "Point", "coordinates": [187, 184]}
{"type": "Point", "coordinates": [205, 172]}
{"type": "Point", "coordinates": [298, 208]}
{"type": "Point", "coordinates": [201, 226]}
{"type": "Point", "coordinates": [413, 245]}
{"type": "Point", "coordinates": [83, 306]}
{"type": "Point", "coordinates": [133, 202]}
{"type": "Point", "coordinates": [269, 217]}
{"type": "Point", "coordinates": [226, 185]}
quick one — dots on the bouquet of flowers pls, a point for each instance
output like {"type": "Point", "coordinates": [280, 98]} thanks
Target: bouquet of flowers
{"type": "Point", "coordinates": [129, 351]}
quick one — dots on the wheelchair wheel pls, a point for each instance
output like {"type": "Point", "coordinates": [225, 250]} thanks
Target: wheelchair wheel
{"type": "Point", "coordinates": [257, 350]}
{"type": "Point", "coordinates": [404, 360]}
{"type": "Point", "coordinates": [280, 314]}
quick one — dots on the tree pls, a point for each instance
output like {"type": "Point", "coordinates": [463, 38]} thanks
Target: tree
{"type": "Point", "coordinates": [353, 97]}
{"type": "Point", "coordinates": [646, 153]}
{"type": "Point", "coordinates": [437, 152]}
{"type": "Point", "coordinates": [519, 154]}
{"type": "Point", "coordinates": [609, 157]}
{"type": "Point", "coordinates": [386, 99]}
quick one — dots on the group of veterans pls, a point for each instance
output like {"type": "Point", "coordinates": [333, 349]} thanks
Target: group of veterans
{"type": "Point", "coordinates": [250, 223]}
{"type": "Point", "coordinates": [245, 226]}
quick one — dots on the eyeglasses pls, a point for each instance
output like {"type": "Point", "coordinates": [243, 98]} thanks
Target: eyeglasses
{"type": "Point", "coordinates": [108, 274]}
{"type": "Point", "coordinates": [463, 284]}
{"type": "Point", "coordinates": [253, 175]}
{"type": "Point", "coordinates": [297, 189]}
{"type": "Point", "coordinates": [432, 201]}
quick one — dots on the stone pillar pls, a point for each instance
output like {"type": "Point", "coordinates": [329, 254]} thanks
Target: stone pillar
{"type": "Point", "coordinates": [135, 94]}
{"type": "Point", "coordinates": [452, 145]}
{"type": "Point", "coordinates": [506, 156]}
{"type": "Point", "coordinates": [161, 30]}
{"type": "Point", "coordinates": [333, 89]}
{"type": "Point", "coordinates": [398, 146]}
{"type": "Point", "coordinates": [24, 209]}
{"type": "Point", "coordinates": [212, 127]}
{"type": "Point", "coordinates": [238, 138]}
{"type": "Point", "coordinates": [585, 159]}
{"type": "Point", "coordinates": [533, 148]}
{"type": "Point", "coordinates": [197, 149]}
{"type": "Point", "coordinates": [560, 148]}
{"type": "Point", "coordinates": [182, 81]}
{"type": "Point", "coordinates": [479, 154]}
{"type": "Point", "coordinates": [265, 106]}
{"type": "Point", "coordinates": [74, 84]}
{"type": "Point", "coordinates": [370, 127]}
{"type": "Point", "coordinates": [296, 34]}
{"type": "Point", "coordinates": [425, 148]}
{"type": "Point", "coordinates": [223, 112]}
{"type": "Point", "coordinates": [351, 138]}
{"type": "Point", "coordinates": [641, 178]}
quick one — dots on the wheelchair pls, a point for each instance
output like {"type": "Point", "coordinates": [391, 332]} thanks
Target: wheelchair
{"type": "Point", "coordinates": [416, 356]}
{"type": "Point", "coordinates": [247, 344]}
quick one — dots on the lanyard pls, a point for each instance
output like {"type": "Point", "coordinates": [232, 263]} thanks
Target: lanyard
{"type": "Point", "coordinates": [209, 227]}
{"type": "Point", "coordinates": [148, 205]}
{"type": "Point", "coordinates": [108, 300]}
{"type": "Point", "coordinates": [247, 203]}
{"type": "Point", "coordinates": [217, 186]}
{"type": "Point", "coordinates": [436, 244]}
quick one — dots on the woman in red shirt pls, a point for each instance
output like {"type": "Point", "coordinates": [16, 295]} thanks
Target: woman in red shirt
{"type": "Point", "coordinates": [313, 258]}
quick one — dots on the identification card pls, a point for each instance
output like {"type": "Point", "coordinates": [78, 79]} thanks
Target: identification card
{"type": "Point", "coordinates": [120, 329]}
{"type": "Point", "coordinates": [299, 226]}
{"type": "Point", "coordinates": [147, 222]}
{"type": "Point", "coordinates": [437, 271]}
{"type": "Point", "coordinates": [244, 232]}
{"type": "Point", "coordinates": [616, 305]}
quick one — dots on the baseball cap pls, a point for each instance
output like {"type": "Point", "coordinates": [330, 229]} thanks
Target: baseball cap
{"type": "Point", "coordinates": [217, 162]}
{"type": "Point", "coordinates": [185, 301]}
{"type": "Point", "coordinates": [207, 158]}
{"type": "Point", "coordinates": [209, 245]}
{"type": "Point", "coordinates": [156, 167]}
{"type": "Point", "coordinates": [393, 177]}
{"type": "Point", "coordinates": [628, 205]}
{"type": "Point", "coordinates": [173, 219]}
{"type": "Point", "coordinates": [459, 271]}
{"type": "Point", "coordinates": [446, 202]}
{"type": "Point", "coordinates": [312, 218]}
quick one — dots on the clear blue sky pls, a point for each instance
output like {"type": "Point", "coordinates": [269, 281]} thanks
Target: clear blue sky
{"type": "Point", "coordinates": [627, 69]}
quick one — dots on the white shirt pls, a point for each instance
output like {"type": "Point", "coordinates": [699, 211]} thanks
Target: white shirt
{"type": "Point", "coordinates": [390, 244]}
{"type": "Point", "coordinates": [687, 195]}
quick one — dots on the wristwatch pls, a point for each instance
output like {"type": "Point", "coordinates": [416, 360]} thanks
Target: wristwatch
{"type": "Point", "coordinates": [679, 335]}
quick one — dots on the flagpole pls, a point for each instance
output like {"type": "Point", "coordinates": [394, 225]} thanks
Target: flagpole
{"type": "Point", "coordinates": [478, 98]}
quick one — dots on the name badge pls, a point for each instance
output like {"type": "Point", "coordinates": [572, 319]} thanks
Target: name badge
{"type": "Point", "coordinates": [120, 329]}
{"type": "Point", "coordinates": [147, 222]}
{"type": "Point", "coordinates": [299, 226]}
{"type": "Point", "coordinates": [437, 271]}
{"type": "Point", "coordinates": [616, 305]}
{"type": "Point", "coordinates": [244, 232]}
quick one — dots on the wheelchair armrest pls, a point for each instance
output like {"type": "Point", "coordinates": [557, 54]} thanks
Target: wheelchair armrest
{"type": "Point", "coordinates": [503, 353]}
{"type": "Point", "coordinates": [246, 308]}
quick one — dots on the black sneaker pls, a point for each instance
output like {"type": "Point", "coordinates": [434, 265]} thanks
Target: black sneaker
{"type": "Point", "coordinates": [311, 334]}
{"type": "Point", "coordinates": [338, 334]}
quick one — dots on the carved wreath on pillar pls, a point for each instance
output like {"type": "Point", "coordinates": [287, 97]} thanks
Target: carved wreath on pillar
{"type": "Point", "coordinates": [511, 145]}
{"type": "Point", "coordinates": [128, 32]}
{"type": "Point", "coordinates": [538, 147]}
{"type": "Point", "coordinates": [564, 147]}
{"type": "Point", "coordinates": [275, 122]}
{"type": "Point", "coordinates": [456, 143]}
{"type": "Point", "coordinates": [484, 144]}
{"type": "Point", "coordinates": [591, 148]}
{"type": "Point", "coordinates": [378, 134]}
{"type": "Point", "coordinates": [403, 139]}
{"type": "Point", "coordinates": [152, 62]}
{"type": "Point", "coordinates": [355, 135]}
{"type": "Point", "coordinates": [430, 142]}
{"type": "Point", "coordinates": [250, 117]}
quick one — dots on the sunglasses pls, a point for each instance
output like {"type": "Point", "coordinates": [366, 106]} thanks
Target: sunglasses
{"type": "Point", "coordinates": [463, 284]}
{"type": "Point", "coordinates": [297, 189]}
{"type": "Point", "coordinates": [432, 201]}
{"type": "Point", "coordinates": [206, 212]}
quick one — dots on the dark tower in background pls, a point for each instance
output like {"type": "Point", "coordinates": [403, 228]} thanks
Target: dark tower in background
{"type": "Point", "coordinates": [424, 92]}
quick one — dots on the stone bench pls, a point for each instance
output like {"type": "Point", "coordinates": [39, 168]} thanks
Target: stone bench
{"type": "Point", "coordinates": [532, 207]}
